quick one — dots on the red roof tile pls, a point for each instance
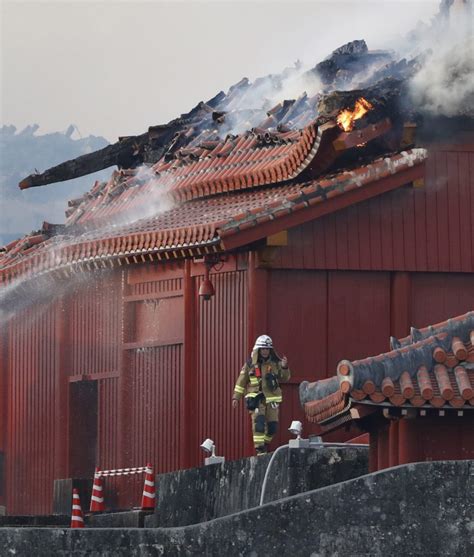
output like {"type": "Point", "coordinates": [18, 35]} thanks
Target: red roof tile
{"type": "Point", "coordinates": [407, 376]}
{"type": "Point", "coordinates": [188, 227]}
{"type": "Point", "coordinates": [254, 159]}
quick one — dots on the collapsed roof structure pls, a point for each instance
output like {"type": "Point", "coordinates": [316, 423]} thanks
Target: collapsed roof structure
{"type": "Point", "coordinates": [171, 193]}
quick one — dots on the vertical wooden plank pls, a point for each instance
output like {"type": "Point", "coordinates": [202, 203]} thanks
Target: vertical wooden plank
{"type": "Point", "coordinates": [319, 243]}
{"type": "Point", "coordinates": [407, 206]}
{"type": "Point", "coordinates": [62, 335]}
{"type": "Point", "coordinates": [466, 218]}
{"type": "Point", "coordinates": [420, 239]}
{"type": "Point", "coordinates": [341, 240]}
{"type": "Point", "coordinates": [400, 304]}
{"type": "Point", "coordinates": [307, 242]}
{"type": "Point", "coordinates": [442, 211]}
{"type": "Point", "coordinates": [353, 238]}
{"type": "Point", "coordinates": [453, 212]}
{"type": "Point", "coordinates": [431, 186]}
{"type": "Point", "coordinates": [297, 252]}
{"type": "Point", "coordinates": [375, 216]}
{"type": "Point", "coordinates": [126, 373]}
{"type": "Point", "coordinates": [364, 236]}
{"type": "Point", "coordinates": [258, 303]}
{"type": "Point", "coordinates": [331, 244]}
{"type": "Point", "coordinates": [398, 232]}
{"type": "Point", "coordinates": [189, 403]}
{"type": "Point", "coordinates": [386, 235]}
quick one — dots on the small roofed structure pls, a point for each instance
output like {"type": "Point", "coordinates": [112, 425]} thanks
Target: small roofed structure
{"type": "Point", "coordinates": [416, 401]}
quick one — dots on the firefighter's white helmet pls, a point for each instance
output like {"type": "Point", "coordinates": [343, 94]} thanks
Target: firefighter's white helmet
{"type": "Point", "coordinates": [263, 341]}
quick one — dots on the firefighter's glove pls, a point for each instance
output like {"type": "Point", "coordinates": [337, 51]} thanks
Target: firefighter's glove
{"type": "Point", "coordinates": [272, 381]}
{"type": "Point", "coordinates": [274, 405]}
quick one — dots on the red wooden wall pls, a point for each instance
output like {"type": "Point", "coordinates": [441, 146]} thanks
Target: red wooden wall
{"type": "Point", "coordinates": [32, 412]}
{"type": "Point", "coordinates": [430, 228]}
{"type": "Point", "coordinates": [221, 351]}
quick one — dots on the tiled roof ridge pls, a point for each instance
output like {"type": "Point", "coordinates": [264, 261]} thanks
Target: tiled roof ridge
{"type": "Point", "coordinates": [449, 325]}
{"type": "Point", "coordinates": [249, 161]}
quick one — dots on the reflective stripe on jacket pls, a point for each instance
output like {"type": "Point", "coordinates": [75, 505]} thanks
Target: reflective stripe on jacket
{"type": "Point", "coordinates": [251, 385]}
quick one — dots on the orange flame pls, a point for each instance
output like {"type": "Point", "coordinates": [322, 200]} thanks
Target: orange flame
{"type": "Point", "coordinates": [346, 117]}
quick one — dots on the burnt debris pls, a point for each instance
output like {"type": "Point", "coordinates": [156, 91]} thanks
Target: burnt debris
{"type": "Point", "coordinates": [349, 73]}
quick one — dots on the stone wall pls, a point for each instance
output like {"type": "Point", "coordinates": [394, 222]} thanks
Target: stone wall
{"type": "Point", "coordinates": [201, 494]}
{"type": "Point", "coordinates": [418, 509]}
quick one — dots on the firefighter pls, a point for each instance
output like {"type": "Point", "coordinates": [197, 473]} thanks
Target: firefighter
{"type": "Point", "coordinates": [259, 380]}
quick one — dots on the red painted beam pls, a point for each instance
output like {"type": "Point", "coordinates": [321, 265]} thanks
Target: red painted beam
{"type": "Point", "coordinates": [61, 417]}
{"type": "Point", "coordinates": [189, 402]}
{"type": "Point", "coordinates": [326, 207]}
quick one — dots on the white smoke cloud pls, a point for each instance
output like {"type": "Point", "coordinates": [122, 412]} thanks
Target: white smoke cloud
{"type": "Point", "coordinates": [445, 83]}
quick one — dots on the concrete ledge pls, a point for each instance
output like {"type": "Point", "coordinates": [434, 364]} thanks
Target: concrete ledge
{"type": "Point", "coordinates": [126, 519]}
{"type": "Point", "coordinates": [417, 509]}
{"type": "Point", "coordinates": [201, 494]}
{"type": "Point", "coordinates": [52, 521]}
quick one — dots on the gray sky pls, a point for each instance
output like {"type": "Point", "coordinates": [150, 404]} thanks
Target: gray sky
{"type": "Point", "coordinates": [115, 68]}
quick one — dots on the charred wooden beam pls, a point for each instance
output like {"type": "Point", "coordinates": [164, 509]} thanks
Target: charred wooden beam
{"type": "Point", "coordinates": [126, 152]}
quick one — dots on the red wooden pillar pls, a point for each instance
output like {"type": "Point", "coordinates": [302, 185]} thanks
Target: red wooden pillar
{"type": "Point", "coordinates": [125, 403]}
{"type": "Point", "coordinates": [189, 442]}
{"type": "Point", "coordinates": [257, 311]}
{"type": "Point", "coordinates": [257, 306]}
{"type": "Point", "coordinates": [400, 310]}
{"type": "Point", "coordinates": [408, 443]}
{"type": "Point", "coordinates": [61, 441]}
{"type": "Point", "coordinates": [393, 443]}
{"type": "Point", "coordinates": [373, 448]}
{"type": "Point", "coordinates": [383, 445]}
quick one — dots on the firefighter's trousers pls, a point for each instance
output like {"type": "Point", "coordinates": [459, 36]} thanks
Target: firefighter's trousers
{"type": "Point", "coordinates": [264, 424]}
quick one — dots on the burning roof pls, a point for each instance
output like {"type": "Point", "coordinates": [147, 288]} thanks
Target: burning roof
{"type": "Point", "coordinates": [352, 110]}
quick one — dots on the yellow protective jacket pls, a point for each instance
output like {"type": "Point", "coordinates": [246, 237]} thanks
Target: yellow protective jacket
{"type": "Point", "coordinates": [252, 379]}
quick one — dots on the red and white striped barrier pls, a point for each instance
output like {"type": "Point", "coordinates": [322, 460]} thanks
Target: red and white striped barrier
{"type": "Point", "coordinates": [77, 520]}
{"type": "Point", "coordinates": [148, 496]}
{"type": "Point", "coordinates": [121, 471]}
